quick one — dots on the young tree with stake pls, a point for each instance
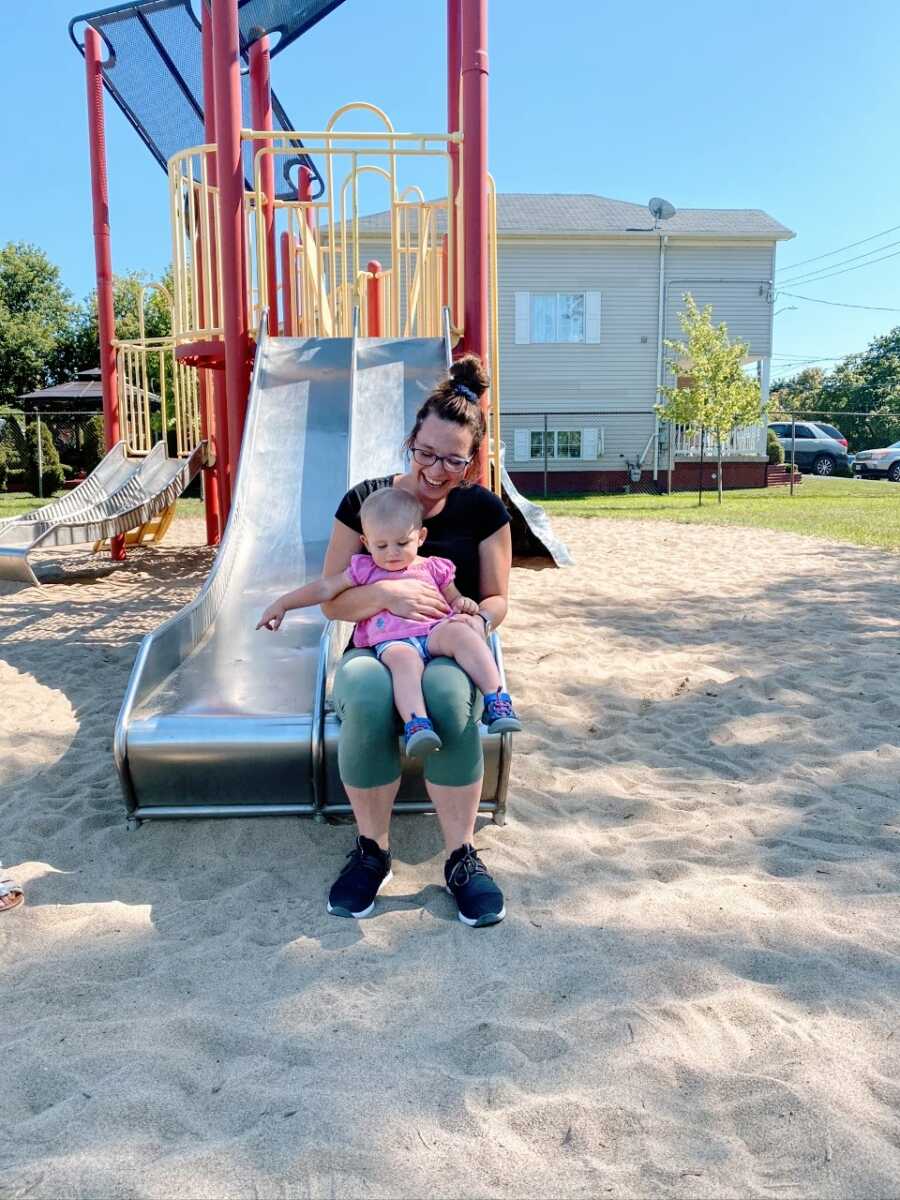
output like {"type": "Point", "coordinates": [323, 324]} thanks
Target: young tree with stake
{"type": "Point", "coordinates": [719, 397]}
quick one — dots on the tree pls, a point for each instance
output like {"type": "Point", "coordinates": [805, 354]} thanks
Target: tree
{"type": "Point", "coordinates": [719, 397]}
{"type": "Point", "coordinates": [800, 394]}
{"type": "Point", "coordinates": [44, 475]}
{"type": "Point", "coordinates": [36, 312]}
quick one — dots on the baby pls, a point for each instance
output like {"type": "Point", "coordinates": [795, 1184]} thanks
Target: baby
{"type": "Point", "coordinates": [392, 533]}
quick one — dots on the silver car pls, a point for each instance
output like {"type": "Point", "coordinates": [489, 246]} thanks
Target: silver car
{"type": "Point", "coordinates": [878, 464]}
{"type": "Point", "coordinates": [815, 447]}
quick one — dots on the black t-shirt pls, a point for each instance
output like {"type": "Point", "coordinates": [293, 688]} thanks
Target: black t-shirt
{"type": "Point", "coordinates": [470, 514]}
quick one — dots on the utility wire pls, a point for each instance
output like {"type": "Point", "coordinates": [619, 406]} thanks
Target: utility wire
{"type": "Point", "coordinates": [831, 253]}
{"type": "Point", "coordinates": [835, 267]}
{"type": "Point", "coordinates": [843, 271]}
{"type": "Point", "coordinates": [837, 303]}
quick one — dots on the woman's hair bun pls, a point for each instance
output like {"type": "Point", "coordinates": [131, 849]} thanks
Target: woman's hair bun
{"type": "Point", "coordinates": [469, 371]}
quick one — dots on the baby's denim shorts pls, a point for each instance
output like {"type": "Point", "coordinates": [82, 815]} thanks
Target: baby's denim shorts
{"type": "Point", "coordinates": [419, 643]}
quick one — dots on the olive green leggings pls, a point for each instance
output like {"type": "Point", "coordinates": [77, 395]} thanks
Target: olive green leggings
{"type": "Point", "coordinates": [369, 749]}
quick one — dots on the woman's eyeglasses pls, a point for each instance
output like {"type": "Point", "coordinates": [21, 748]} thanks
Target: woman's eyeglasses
{"type": "Point", "coordinates": [452, 463]}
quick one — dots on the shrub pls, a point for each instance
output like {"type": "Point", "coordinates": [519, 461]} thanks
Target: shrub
{"type": "Point", "coordinates": [93, 443]}
{"type": "Point", "coordinates": [4, 469]}
{"type": "Point", "coordinates": [52, 476]}
{"type": "Point", "coordinates": [775, 448]}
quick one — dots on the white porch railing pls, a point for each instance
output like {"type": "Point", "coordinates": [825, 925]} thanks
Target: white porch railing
{"type": "Point", "coordinates": [747, 442]}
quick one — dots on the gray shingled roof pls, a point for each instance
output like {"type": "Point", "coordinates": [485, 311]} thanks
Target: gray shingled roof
{"type": "Point", "coordinates": [528, 213]}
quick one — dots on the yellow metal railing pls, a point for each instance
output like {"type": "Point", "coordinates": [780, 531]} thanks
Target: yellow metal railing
{"type": "Point", "coordinates": [321, 272]}
{"type": "Point", "coordinates": [137, 362]}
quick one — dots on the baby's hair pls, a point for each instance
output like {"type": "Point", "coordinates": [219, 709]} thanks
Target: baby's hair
{"type": "Point", "coordinates": [390, 504]}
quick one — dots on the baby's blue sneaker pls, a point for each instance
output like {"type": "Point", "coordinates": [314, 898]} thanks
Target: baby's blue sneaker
{"type": "Point", "coordinates": [421, 738]}
{"type": "Point", "coordinates": [499, 714]}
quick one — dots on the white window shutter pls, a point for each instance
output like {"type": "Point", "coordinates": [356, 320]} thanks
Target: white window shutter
{"type": "Point", "coordinates": [592, 316]}
{"type": "Point", "coordinates": [522, 445]}
{"type": "Point", "coordinates": [589, 440]}
{"type": "Point", "coordinates": [523, 320]}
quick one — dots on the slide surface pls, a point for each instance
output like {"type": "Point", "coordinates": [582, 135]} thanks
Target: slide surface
{"type": "Point", "coordinates": [120, 494]}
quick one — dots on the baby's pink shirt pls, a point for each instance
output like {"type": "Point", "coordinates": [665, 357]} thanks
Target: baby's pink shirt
{"type": "Point", "coordinates": [385, 626]}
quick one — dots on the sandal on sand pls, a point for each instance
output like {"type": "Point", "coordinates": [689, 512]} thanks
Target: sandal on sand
{"type": "Point", "coordinates": [11, 895]}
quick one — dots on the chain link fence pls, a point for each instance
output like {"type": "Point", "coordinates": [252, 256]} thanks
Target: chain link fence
{"type": "Point", "coordinates": [623, 451]}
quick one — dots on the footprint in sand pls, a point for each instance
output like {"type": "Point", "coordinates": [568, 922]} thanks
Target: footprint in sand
{"type": "Point", "coordinates": [488, 1048]}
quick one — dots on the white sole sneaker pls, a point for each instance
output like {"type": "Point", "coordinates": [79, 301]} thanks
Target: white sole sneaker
{"type": "Point", "coordinates": [480, 922]}
{"type": "Point", "coordinates": [345, 912]}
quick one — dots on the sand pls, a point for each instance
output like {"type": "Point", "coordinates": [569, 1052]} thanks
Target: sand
{"type": "Point", "coordinates": [695, 993]}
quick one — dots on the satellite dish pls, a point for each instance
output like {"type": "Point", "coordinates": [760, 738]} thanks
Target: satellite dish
{"type": "Point", "coordinates": [660, 210]}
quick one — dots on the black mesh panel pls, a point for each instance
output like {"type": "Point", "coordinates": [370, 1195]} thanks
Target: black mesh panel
{"type": "Point", "coordinates": [156, 77]}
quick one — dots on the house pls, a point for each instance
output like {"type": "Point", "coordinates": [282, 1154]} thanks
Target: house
{"type": "Point", "coordinates": [589, 289]}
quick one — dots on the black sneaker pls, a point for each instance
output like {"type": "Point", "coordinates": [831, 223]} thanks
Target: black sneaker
{"type": "Point", "coordinates": [478, 898]}
{"type": "Point", "coordinates": [367, 871]}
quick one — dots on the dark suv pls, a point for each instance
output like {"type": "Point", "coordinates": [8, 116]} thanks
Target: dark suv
{"type": "Point", "coordinates": [816, 448]}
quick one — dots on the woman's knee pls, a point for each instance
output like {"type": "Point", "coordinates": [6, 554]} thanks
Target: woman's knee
{"type": "Point", "coordinates": [450, 698]}
{"type": "Point", "coordinates": [363, 695]}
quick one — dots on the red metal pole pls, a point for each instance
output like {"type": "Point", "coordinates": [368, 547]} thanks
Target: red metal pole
{"type": "Point", "coordinates": [261, 117]}
{"type": "Point", "coordinates": [304, 194]}
{"type": "Point", "coordinates": [230, 171]}
{"type": "Point", "coordinates": [216, 385]}
{"type": "Point", "coordinates": [454, 64]}
{"type": "Point", "coordinates": [373, 299]}
{"type": "Point", "coordinates": [475, 185]}
{"type": "Point", "coordinates": [106, 316]}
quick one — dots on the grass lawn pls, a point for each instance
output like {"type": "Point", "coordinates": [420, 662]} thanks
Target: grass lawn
{"type": "Point", "coordinates": [865, 512]}
{"type": "Point", "coordinates": [13, 504]}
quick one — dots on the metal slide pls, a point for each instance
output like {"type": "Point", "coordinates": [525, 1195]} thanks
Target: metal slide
{"type": "Point", "coordinates": [532, 532]}
{"type": "Point", "coordinates": [121, 493]}
{"type": "Point", "coordinates": [220, 719]}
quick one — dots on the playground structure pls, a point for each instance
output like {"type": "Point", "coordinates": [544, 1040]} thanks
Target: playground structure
{"type": "Point", "coordinates": [284, 419]}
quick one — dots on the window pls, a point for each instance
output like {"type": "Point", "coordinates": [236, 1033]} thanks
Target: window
{"type": "Point", "coordinates": [560, 318]}
{"type": "Point", "coordinates": [557, 316]}
{"type": "Point", "coordinates": [561, 444]}
{"type": "Point", "coordinates": [802, 431]}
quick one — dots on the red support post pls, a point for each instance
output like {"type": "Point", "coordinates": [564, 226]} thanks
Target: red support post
{"type": "Point", "coordinates": [454, 63]}
{"type": "Point", "coordinates": [106, 315]}
{"type": "Point", "coordinates": [476, 335]}
{"type": "Point", "coordinates": [218, 426]}
{"type": "Point", "coordinates": [230, 172]}
{"type": "Point", "coordinates": [374, 327]}
{"type": "Point", "coordinates": [261, 118]}
{"type": "Point", "coordinates": [304, 194]}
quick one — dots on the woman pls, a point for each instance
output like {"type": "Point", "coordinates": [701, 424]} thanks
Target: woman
{"type": "Point", "coordinates": [469, 525]}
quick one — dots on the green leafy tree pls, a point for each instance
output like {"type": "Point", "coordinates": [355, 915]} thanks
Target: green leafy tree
{"type": "Point", "coordinates": [36, 313]}
{"type": "Point", "coordinates": [47, 468]}
{"type": "Point", "coordinates": [720, 396]}
{"type": "Point", "coordinates": [802, 393]}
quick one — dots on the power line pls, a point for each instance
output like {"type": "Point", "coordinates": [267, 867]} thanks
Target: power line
{"type": "Point", "coordinates": [831, 253]}
{"type": "Point", "coordinates": [816, 278]}
{"type": "Point", "coordinates": [837, 303]}
{"type": "Point", "coordinates": [834, 267]}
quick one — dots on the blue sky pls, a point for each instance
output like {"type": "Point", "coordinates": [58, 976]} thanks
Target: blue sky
{"type": "Point", "coordinates": [789, 107]}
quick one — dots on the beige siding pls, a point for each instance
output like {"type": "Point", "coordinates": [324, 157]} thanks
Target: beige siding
{"type": "Point", "coordinates": [609, 385]}
{"type": "Point", "coordinates": [734, 278]}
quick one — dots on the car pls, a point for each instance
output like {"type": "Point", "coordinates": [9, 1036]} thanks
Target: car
{"type": "Point", "coordinates": [883, 463]}
{"type": "Point", "coordinates": [821, 449]}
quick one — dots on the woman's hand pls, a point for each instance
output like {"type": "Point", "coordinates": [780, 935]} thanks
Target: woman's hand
{"type": "Point", "coordinates": [272, 617]}
{"type": "Point", "coordinates": [414, 599]}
